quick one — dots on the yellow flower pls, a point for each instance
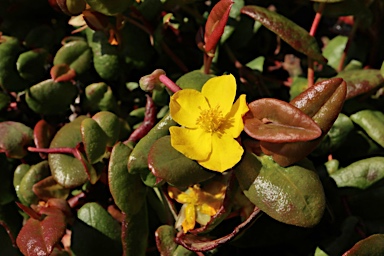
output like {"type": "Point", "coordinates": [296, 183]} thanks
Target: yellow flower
{"type": "Point", "coordinates": [198, 205]}
{"type": "Point", "coordinates": [211, 122]}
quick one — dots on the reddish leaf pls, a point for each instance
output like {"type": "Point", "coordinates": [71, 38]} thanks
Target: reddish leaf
{"type": "Point", "coordinates": [215, 25]}
{"type": "Point", "coordinates": [95, 20]}
{"type": "Point", "coordinates": [48, 188]}
{"type": "Point", "coordinates": [290, 32]}
{"type": "Point", "coordinates": [43, 133]}
{"type": "Point", "coordinates": [38, 237]}
{"type": "Point", "coordinates": [277, 121]}
{"type": "Point", "coordinates": [370, 246]}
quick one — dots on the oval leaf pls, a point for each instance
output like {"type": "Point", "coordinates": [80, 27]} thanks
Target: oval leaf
{"type": "Point", "coordinates": [31, 64]}
{"type": "Point", "coordinates": [48, 188]}
{"type": "Point", "coordinates": [165, 243]}
{"type": "Point", "coordinates": [292, 195]}
{"type": "Point", "coordinates": [360, 174]}
{"type": "Point", "coordinates": [169, 164]}
{"type": "Point", "coordinates": [216, 22]}
{"type": "Point", "coordinates": [370, 246]}
{"type": "Point", "coordinates": [277, 121]}
{"type": "Point", "coordinates": [127, 189]}
{"type": "Point", "coordinates": [290, 32]}
{"type": "Point", "coordinates": [94, 140]}
{"type": "Point", "coordinates": [14, 137]}
{"type": "Point", "coordinates": [110, 124]}
{"type": "Point", "coordinates": [372, 123]}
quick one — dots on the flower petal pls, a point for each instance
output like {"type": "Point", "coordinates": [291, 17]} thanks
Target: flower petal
{"type": "Point", "coordinates": [235, 116]}
{"type": "Point", "coordinates": [185, 107]}
{"type": "Point", "coordinates": [226, 152]}
{"type": "Point", "coordinates": [190, 217]}
{"type": "Point", "coordinates": [220, 91]}
{"type": "Point", "coordinates": [193, 143]}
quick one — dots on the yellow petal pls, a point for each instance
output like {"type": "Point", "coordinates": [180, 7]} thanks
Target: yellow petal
{"type": "Point", "coordinates": [235, 117]}
{"type": "Point", "coordinates": [190, 218]}
{"type": "Point", "coordinates": [220, 91]}
{"type": "Point", "coordinates": [194, 144]}
{"type": "Point", "coordinates": [226, 152]}
{"type": "Point", "coordinates": [185, 107]}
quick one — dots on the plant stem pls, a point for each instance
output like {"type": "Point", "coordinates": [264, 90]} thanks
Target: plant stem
{"type": "Point", "coordinates": [207, 63]}
{"type": "Point", "coordinates": [169, 83]}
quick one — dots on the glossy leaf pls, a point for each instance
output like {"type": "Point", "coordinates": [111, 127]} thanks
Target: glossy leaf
{"type": "Point", "coordinates": [193, 80]}
{"type": "Point", "coordinates": [370, 246]}
{"type": "Point", "coordinates": [15, 137]}
{"type": "Point", "coordinates": [94, 140]}
{"type": "Point", "coordinates": [43, 134]}
{"type": "Point", "coordinates": [292, 195]}
{"type": "Point", "coordinates": [97, 217]}
{"type": "Point", "coordinates": [138, 159]}
{"type": "Point", "coordinates": [334, 50]}
{"type": "Point", "coordinates": [35, 174]}
{"type": "Point", "coordinates": [48, 188]}
{"type": "Point", "coordinates": [109, 7]}
{"type": "Point", "coordinates": [76, 54]}
{"type": "Point", "coordinates": [361, 174]}
{"type": "Point", "coordinates": [277, 121]}
{"type": "Point", "coordinates": [50, 97]}
{"type": "Point", "coordinates": [38, 237]}
{"type": "Point", "coordinates": [128, 191]}
{"type": "Point", "coordinates": [62, 73]}
{"type": "Point", "coordinates": [323, 102]}
{"type": "Point", "coordinates": [361, 81]}
{"type": "Point", "coordinates": [31, 64]}
{"type": "Point", "coordinates": [217, 19]}
{"type": "Point", "coordinates": [110, 124]}
{"type": "Point", "coordinates": [168, 164]}
{"type": "Point", "coordinates": [19, 173]}
{"type": "Point", "coordinates": [67, 170]}
{"type": "Point", "coordinates": [290, 32]}
{"type": "Point", "coordinates": [165, 243]}
{"type": "Point", "coordinates": [372, 122]}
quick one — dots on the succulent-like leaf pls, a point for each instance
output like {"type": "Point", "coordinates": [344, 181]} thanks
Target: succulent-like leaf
{"type": "Point", "coordinates": [20, 171]}
{"type": "Point", "coordinates": [292, 195]}
{"type": "Point", "coordinates": [48, 188]}
{"type": "Point", "coordinates": [94, 140]}
{"type": "Point", "coordinates": [277, 121]}
{"type": "Point", "coordinates": [290, 32]}
{"type": "Point", "coordinates": [67, 170]}
{"type": "Point", "coordinates": [138, 159]}
{"type": "Point", "coordinates": [110, 124]}
{"type": "Point", "coordinates": [109, 7]}
{"type": "Point", "coordinates": [128, 191]}
{"type": "Point", "coordinates": [35, 174]}
{"type": "Point", "coordinates": [15, 137]}
{"type": "Point", "coordinates": [168, 164]}
{"type": "Point", "coordinates": [31, 64]}
{"type": "Point", "coordinates": [360, 174]}
{"type": "Point", "coordinates": [43, 134]}
{"type": "Point", "coordinates": [372, 122]}
{"type": "Point", "coordinates": [50, 97]}
{"type": "Point", "coordinates": [217, 19]}
{"type": "Point", "coordinates": [165, 243]}
{"type": "Point", "coordinates": [361, 81]}
{"type": "Point", "coordinates": [62, 73]}
{"type": "Point", "coordinates": [38, 237]}
{"type": "Point", "coordinates": [76, 54]}
{"type": "Point", "coordinates": [370, 246]}
{"type": "Point", "coordinates": [193, 80]}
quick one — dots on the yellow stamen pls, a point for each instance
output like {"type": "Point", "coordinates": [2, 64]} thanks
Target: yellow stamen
{"type": "Point", "coordinates": [211, 119]}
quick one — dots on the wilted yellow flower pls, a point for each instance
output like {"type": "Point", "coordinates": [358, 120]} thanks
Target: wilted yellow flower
{"type": "Point", "coordinates": [198, 205]}
{"type": "Point", "coordinates": [210, 123]}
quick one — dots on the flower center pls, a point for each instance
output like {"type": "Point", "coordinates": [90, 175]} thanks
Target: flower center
{"type": "Point", "coordinates": [211, 119]}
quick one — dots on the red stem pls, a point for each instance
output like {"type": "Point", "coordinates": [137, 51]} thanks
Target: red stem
{"type": "Point", "coordinates": [169, 83]}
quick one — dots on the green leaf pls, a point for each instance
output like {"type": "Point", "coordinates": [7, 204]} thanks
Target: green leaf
{"type": "Point", "coordinates": [372, 122]}
{"type": "Point", "coordinates": [48, 188]}
{"type": "Point", "coordinates": [31, 64]}
{"type": "Point", "coordinates": [94, 140]}
{"type": "Point", "coordinates": [165, 236]}
{"type": "Point", "coordinates": [290, 32]}
{"type": "Point", "coordinates": [76, 54]}
{"type": "Point", "coordinates": [168, 164]}
{"type": "Point", "coordinates": [277, 121]}
{"type": "Point", "coordinates": [20, 171]}
{"type": "Point", "coordinates": [257, 64]}
{"type": "Point", "coordinates": [9, 76]}
{"type": "Point", "coordinates": [299, 84]}
{"type": "Point", "coordinates": [35, 174]}
{"type": "Point", "coordinates": [128, 191]}
{"type": "Point", "coordinates": [110, 124]}
{"type": "Point", "coordinates": [193, 80]}
{"type": "Point", "coordinates": [292, 195]}
{"type": "Point", "coordinates": [66, 169]}
{"type": "Point", "coordinates": [97, 217]}
{"type": "Point", "coordinates": [109, 7]}
{"type": "Point", "coordinates": [138, 159]}
{"type": "Point", "coordinates": [361, 174]}
{"type": "Point", "coordinates": [370, 246]}
{"type": "Point", "coordinates": [50, 97]}
{"type": "Point", "coordinates": [334, 50]}
{"type": "Point", "coordinates": [361, 81]}
{"type": "Point", "coordinates": [14, 138]}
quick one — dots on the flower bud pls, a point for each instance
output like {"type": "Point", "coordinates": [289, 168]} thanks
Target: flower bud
{"type": "Point", "coordinates": [151, 82]}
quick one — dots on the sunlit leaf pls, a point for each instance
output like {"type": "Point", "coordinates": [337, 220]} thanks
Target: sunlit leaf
{"type": "Point", "coordinates": [15, 137]}
{"type": "Point", "coordinates": [370, 246]}
{"type": "Point", "coordinates": [372, 122]}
